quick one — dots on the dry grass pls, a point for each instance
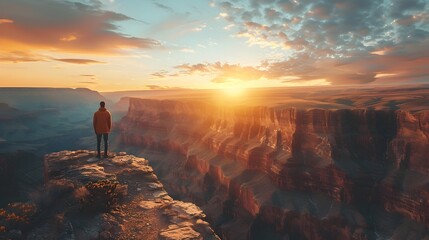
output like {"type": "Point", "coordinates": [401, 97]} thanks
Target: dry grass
{"type": "Point", "coordinates": [101, 195]}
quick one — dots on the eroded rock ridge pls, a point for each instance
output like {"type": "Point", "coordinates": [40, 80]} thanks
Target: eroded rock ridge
{"type": "Point", "coordinates": [285, 172]}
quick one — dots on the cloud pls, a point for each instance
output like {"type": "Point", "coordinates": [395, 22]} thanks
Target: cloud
{"type": "Point", "coordinates": [90, 76]}
{"type": "Point", "coordinates": [88, 82]}
{"type": "Point", "coordinates": [187, 50]}
{"type": "Point", "coordinates": [160, 74]}
{"type": "Point", "coordinates": [336, 40]}
{"type": "Point", "coordinates": [229, 73]}
{"type": "Point", "coordinates": [157, 87]}
{"type": "Point", "coordinates": [191, 69]}
{"type": "Point", "coordinates": [199, 28]}
{"type": "Point", "coordinates": [76, 61]}
{"type": "Point", "coordinates": [229, 26]}
{"type": "Point", "coordinates": [4, 20]}
{"type": "Point", "coordinates": [18, 56]}
{"type": "Point", "coordinates": [164, 74]}
{"type": "Point", "coordinates": [407, 62]}
{"type": "Point", "coordinates": [65, 26]}
{"type": "Point", "coordinates": [402, 63]}
{"type": "Point", "coordinates": [162, 6]}
{"type": "Point", "coordinates": [271, 14]}
{"type": "Point", "coordinates": [177, 25]}
{"type": "Point", "coordinates": [223, 72]}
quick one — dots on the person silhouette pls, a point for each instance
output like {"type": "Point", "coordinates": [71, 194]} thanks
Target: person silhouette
{"type": "Point", "coordinates": [102, 123]}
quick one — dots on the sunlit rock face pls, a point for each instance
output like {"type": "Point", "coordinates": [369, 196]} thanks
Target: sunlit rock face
{"type": "Point", "coordinates": [272, 172]}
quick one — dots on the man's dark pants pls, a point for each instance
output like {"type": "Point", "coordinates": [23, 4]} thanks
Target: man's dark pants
{"type": "Point", "coordinates": [105, 138]}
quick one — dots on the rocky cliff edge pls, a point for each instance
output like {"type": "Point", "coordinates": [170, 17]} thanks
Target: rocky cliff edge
{"type": "Point", "coordinates": [118, 197]}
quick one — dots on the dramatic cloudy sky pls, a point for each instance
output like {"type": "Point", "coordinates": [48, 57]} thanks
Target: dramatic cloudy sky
{"type": "Point", "coordinates": [155, 44]}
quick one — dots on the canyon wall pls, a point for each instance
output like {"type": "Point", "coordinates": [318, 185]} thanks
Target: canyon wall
{"type": "Point", "coordinates": [285, 173]}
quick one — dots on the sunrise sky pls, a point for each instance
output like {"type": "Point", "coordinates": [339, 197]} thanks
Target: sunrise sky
{"type": "Point", "coordinates": [110, 45]}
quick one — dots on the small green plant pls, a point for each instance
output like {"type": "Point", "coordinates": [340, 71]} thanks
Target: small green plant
{"type": "Point", "coordinates": [101, 195]}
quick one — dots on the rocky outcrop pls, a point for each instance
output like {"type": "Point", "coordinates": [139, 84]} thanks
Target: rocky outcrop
{"type": "Point", "coordinates": [302, 174]}
{"type": "Point", "coordinates": [113, 198]}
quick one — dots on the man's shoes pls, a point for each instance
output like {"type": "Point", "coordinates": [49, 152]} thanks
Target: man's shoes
{"type": "Point", "coordinates": [105, 156]}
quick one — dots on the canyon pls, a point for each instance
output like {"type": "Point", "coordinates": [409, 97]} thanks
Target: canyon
{"type": "Point", "coordinates": [268, 164]}
{"type": "Point", "coordinates": [278, 172]}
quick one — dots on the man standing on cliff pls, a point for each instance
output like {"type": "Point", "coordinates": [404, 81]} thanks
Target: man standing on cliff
{"type": "Point", "coordinates": [102, 123]}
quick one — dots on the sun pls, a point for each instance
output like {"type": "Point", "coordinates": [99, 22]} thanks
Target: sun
{"type": "Point", "coordinates": [234, 91]}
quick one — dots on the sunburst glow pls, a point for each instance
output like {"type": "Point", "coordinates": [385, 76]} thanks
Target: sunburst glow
{"type": "Point", "coordinates": [235, 91]}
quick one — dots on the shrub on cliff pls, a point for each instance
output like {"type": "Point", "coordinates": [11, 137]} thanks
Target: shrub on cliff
{"type": "Point", "coordinates": [16, 217]}
{"type": "Point", "coordinates": [101, 195]}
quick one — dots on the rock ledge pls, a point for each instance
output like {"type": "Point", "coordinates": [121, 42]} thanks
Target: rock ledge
{"type": "Point", "coordinates": [145, 211]}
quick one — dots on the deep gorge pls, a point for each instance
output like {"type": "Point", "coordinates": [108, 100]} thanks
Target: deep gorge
{"type": "Point", "coordinates": [285, 173]}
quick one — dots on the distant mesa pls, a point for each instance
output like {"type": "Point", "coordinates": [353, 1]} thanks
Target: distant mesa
{"type": "Point", "coordinates": [44, 98]}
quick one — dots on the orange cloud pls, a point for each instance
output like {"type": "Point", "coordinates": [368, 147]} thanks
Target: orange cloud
{"type": "Point", "coordinates": [5, 20]}
{"type": "Point", "coordinates": [187, 68]}
{"type": "Point", "coordinates": [157, 87]}
{"type": "Point", "coordinates": [18, 56]}
{"type": "Point", "coordinates": [65, 27]}
{"type": "Point", "coordinates": [164, 74]}
{"type": "Point", "coordinates": [224, 72]}
{"type": "Point", "coordinates": [406, 63]}
{"type": "Point", "coordinates": [68, 38]}
{"type": "Point", "coordinates": [88, 82]}
{"type": "Point", "coordinates": [228, 73]}
{"type": "Point", "coordinates": [76, 61]}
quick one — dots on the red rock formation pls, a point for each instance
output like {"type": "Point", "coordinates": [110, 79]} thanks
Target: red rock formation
{"type": "Point", "coordinates": [341, 174]}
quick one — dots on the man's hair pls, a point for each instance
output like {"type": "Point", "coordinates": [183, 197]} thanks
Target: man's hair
{"type": "Point", "coordinates": [102, 104]}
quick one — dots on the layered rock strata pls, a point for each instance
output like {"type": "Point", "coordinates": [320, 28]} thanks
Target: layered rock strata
{"type": "Point", "coordinates": [302, 174]}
